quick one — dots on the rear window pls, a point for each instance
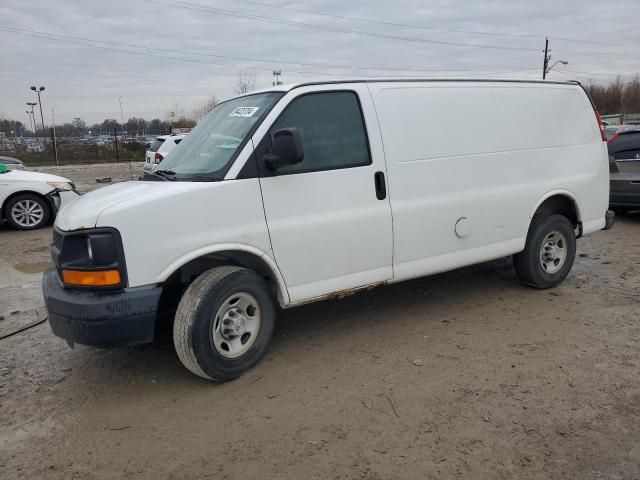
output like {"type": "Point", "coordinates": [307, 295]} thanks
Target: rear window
{"type": "Point", "coordinates": [156, 144]}
{"type": "Point", "coordinates": [625, 142]}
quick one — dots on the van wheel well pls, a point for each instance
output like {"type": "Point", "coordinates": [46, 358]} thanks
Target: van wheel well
{"type": "Point", "coordinates": [178, 281]}
{"type": "Point", "coordinates": [559, 205]}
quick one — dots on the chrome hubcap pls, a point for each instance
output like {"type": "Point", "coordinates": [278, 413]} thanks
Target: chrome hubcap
{"type": "Point", "coordinates": [236, 325]}
{"type": "Point", "coordinates": [27, 213]}
{"type": "Point", "coordinates": [553, 252]}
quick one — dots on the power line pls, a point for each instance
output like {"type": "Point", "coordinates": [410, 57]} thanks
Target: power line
{"type": "Point", "coordinates": [593, 77]}
{"type": "Point", "coordinates": [262, 18]}
{"type": "Point", "coordinates": [382, 22]}
{"type": "Point", "coordinates": [421, 27]}
{"type": "Point", "coordinates": [148, 51]}
{"type": "Point", "coordinates": [92, 43]}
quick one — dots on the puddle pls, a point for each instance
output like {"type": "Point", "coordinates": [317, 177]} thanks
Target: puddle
{"type": "Point", "coordinates": [35, 267]}
{"type": "Point", "coordinates": [12, 276]}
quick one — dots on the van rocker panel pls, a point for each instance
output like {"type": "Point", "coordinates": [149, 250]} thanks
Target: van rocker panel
{"type": "Point", "coordinates": [100, 319]}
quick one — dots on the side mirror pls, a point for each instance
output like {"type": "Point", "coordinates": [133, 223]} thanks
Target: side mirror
{"type": "Point", "coordinates": [287, 149]}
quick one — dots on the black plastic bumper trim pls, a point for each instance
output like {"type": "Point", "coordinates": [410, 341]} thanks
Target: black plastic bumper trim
{"type": "Point", "coordinates": [100, 319]}
{"type": "Point", "coordinates": [610, 219]}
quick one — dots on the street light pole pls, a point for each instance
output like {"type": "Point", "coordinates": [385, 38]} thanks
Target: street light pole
{"type": "Point", "coordinates": [38, 90]}
{"type": "Point", "coordinates": [33, 116]}
{"type": "Point", "coordinates": [563, 62]}
{"type": "Point", "coordinates": [121, 115]}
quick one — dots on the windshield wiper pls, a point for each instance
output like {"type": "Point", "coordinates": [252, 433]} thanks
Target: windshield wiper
{"type": "Point", "coordinates": [166, 174]}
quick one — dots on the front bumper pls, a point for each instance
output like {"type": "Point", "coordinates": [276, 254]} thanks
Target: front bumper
{"type": "Point", "coordinates": [100, 319]}
{"type": "Point", "coordinates": [61, 198]}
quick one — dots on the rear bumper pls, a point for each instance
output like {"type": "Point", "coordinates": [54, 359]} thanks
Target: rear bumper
{"type": "Point", "coordinates": [624, 199]}
{"type": "Point", "coordinates": [100, 319]}
{"type": "Point", "coordinates": [625, 192]}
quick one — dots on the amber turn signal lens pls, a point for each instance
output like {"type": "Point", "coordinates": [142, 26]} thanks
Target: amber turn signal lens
{"type": "Point", "coordinates": [103, 278]}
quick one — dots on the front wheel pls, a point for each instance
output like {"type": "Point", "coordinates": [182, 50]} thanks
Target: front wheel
{"type": "Point", "coordinates": [224, 323]}
{"type": "Point", "coordinates": [549, 252]}
{"type": "Point", "coordinates": [27, 212]}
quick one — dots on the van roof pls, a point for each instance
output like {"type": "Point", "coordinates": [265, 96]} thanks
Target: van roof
{"type": "Point", "coordinates": [291, 86]}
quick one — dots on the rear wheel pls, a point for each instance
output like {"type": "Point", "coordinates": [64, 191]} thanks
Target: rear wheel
{"type": "Point", "coordinates": [549, 252]}
{"type": "Point", "coordinates": [224, 323]}
{"type": "Point", "coordinates": [27, 212]}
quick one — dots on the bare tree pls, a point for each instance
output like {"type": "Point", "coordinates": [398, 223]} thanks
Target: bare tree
{"type": "Point", "coordinates": [631, 96]}
{"type": "Point", "coordinates": [204, 108]}
{"type": "Point", "coordinates": [617, 96]}
{"type": "Point", "coordinates": [245, 82]}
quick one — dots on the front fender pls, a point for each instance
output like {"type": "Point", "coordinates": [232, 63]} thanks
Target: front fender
{"type": "Point", "coordinates": [230, 247]}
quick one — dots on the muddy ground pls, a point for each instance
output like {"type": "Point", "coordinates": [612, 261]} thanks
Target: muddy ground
{"type": "Point", "coordinates": [467, 374]}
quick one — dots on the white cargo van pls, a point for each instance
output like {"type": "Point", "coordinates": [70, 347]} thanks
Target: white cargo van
{"type": "Point", "coordinates": [306, 192]}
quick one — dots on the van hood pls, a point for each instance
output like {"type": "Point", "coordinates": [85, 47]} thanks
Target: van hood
{"type": "Point", "coordinates": [86, 210]}
{"type": "Point", "coordinates": [27, 176]}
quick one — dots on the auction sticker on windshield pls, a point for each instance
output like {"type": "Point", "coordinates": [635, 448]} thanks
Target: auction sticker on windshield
{"type": "Point", "coordinates": [244, 111]}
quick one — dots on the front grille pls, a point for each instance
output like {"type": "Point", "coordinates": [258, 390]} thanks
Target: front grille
{"type": "Point", "coordinates": [57, 239]}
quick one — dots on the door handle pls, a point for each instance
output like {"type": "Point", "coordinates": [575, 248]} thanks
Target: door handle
{"type": "Point", "coordinates": [381, 185]}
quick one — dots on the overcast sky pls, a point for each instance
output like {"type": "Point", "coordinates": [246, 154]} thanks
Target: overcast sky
{"type": "Point", "coordinates": [86, 82]}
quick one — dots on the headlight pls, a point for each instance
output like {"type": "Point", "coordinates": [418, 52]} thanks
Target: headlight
{"type": "Point", "coordinates": [61, 185]}
{"type": "Point", "coordinates": [91, 258]}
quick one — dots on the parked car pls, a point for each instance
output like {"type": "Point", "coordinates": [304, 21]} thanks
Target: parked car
{"type": "Point", "coordinates": [610, 130]}
{"type": "Point", "coordinates": [314, 191]}
{"type": "Point", "coordinates": [160, 148]}
{"type": "Point", "coordinates": [624, 168]}
{"type": "Point", "coordinates": [12, 163]}
{"type": "Point", "coordinates": [30, 200]}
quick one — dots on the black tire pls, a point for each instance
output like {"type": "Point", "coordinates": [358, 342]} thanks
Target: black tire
{"type": "Point", "coordinates": [195, 321]}
{"type": "Point", "coordinates": [620, 210]}
{"type": "Point", "coordinates": [12, 215]}
{"type": "Point", "coordinates": [528, 264]}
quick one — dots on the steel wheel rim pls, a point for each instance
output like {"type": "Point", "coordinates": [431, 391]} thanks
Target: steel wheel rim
{"type": "Point", "coordinates": [236, 325]}
{"type": "Point", "coordinates": [27, 213]}
{"type": "Point", "coordinates": [553, 252]}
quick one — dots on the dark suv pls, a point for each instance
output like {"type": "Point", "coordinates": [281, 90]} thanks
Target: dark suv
{"type": "Point", "coordinates": [624, 167]}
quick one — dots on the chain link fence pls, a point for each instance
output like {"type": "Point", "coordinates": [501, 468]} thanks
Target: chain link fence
{"type": "Point", "coordinates": [74, 150]}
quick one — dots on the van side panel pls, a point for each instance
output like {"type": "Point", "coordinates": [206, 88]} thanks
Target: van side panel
{"type": "Point", "coordinates": [482, 156]}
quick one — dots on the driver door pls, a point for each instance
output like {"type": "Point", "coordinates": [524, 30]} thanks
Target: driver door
{"type": "Point", "coordinates": [329, 217]}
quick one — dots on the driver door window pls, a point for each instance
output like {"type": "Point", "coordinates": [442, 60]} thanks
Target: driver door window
{"type": "Point", "coordinates": [332, 130]}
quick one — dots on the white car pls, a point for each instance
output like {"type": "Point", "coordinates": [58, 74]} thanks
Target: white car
{"type": "Point", "coordinates": [159, 149]}
{"type": "Point", "coordinates": [314, 191]}
{"type": "Point", "coordinates": [30, 200]}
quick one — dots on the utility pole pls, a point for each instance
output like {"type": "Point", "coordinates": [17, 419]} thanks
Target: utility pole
{"type": "Point", "coordinates": [546, 58]}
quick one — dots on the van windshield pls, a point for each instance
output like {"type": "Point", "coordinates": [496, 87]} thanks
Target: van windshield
{"type": "Point", "coordinates": [208, 151]}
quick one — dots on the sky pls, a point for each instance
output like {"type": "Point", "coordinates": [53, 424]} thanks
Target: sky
{"type": "Point", "coordinates": [158, 56]}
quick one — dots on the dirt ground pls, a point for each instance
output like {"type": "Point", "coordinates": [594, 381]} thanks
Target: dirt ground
{"type": "Point", "coordinates": [467, 374]}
